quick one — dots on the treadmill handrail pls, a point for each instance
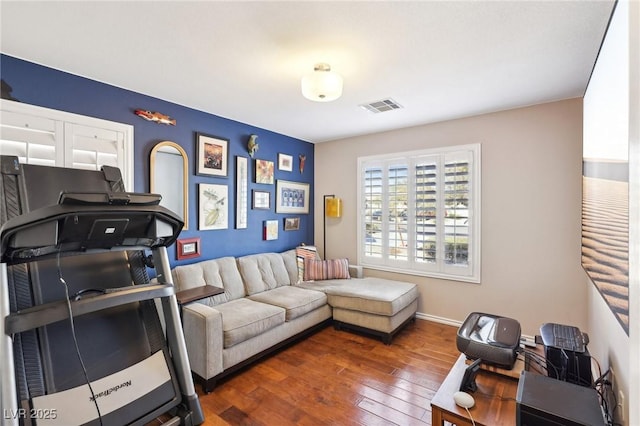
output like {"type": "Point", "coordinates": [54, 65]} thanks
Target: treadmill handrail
{"type": "Point", "coordinates": [109, 198]}
{"type": "Point", "coordinates": [48, 313]}
{"type": "Point", "coordinates": [58, 212]}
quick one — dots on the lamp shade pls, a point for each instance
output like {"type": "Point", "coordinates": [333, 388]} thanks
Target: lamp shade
{"type": "Point", "coordinates": [322, 85]}
{"type": "Point", "coordinates": [333, 207]}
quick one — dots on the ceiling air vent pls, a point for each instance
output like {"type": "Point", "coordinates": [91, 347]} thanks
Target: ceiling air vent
{"type": "Point", "coordinates": [381, 106]}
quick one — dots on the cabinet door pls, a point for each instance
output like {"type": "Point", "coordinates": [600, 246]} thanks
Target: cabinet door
{"type": "Point", "coordinates": [34, 140]}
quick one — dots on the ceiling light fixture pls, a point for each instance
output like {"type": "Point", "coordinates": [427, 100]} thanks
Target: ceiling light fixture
{"type": "Point", "coordinates": [322, 85]}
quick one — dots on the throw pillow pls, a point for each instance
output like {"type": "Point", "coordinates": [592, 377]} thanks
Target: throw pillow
{"type": "Point", "coordinates": [315, 270]}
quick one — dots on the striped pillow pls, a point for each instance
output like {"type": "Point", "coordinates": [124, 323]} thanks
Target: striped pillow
{"type": "Point", "coordinates": [326, 269]}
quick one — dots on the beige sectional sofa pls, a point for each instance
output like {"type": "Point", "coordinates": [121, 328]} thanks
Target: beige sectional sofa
{"type": "Point", "coordinates": [265, 306]}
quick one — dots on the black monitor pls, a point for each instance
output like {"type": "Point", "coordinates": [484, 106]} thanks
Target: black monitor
{"type": "Point", "coordinates": [468, 383]}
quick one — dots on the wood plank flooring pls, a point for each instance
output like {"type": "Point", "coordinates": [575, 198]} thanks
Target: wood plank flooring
{"type": "Point", "coordinates": [339, 378]}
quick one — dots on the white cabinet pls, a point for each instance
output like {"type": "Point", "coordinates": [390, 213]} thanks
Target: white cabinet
{"type": "Point", "coordinates": [55, 138]}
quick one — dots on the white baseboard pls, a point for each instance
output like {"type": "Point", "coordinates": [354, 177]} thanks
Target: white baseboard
{"type": "Point", "coordinates": [439, 320]}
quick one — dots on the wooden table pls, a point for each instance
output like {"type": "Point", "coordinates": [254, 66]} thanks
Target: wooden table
{"type": "Point", "coordinates": [495, 399]}
{"type": "Point", "coordinates": [197, 293]}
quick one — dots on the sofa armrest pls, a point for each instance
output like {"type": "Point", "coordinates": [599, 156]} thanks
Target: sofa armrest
{"type": "Point", "coordinates": [204, 339]}
{"type": "Point", "coordinates": [355, 271]}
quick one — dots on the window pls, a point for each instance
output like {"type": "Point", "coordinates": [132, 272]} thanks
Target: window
{"type": "Point", "coordinates": [49, 137]}
{"type": "Point", "coordinates": [420, 212]}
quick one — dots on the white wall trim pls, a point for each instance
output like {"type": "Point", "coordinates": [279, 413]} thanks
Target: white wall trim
{"type": "Point", "coordinates": [439, 320]}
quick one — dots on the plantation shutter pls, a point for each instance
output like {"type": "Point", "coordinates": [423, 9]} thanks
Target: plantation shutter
{"type": "Point", "coordinates": [48, 137]}
{"type": "Point", "coordinates": [457, 222]}
{"type": "Point", "coordinates": [372, 211]}
{"type": "Point", "coordinates": [32, 139]}
{"type": "Point", "coordinates": [397, 197]}
{"type": "Point", "coordinates": [91, 147]}
{"type": "Point", "coordinates": [426, 209]}
{"type": "Point", "coordinates": [420, 212]}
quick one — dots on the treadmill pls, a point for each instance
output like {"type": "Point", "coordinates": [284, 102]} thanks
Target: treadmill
{"type": "Point", "coordinates": [81, 338]}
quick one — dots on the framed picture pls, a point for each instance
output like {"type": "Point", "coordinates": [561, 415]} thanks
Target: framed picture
{"type": "Point", "coordinates": [606, 169]}
{"type": "Point", "coordinates": [261, 200]}
{"type": "Point", "coordinates": [242, 192]}
{"type": "Point", "coordinates": [292, 197]}
{"type": "Point", "coordinates": [291, 223]}
{"type": "Point", "coordinates": [264, 171]}
{"type": "Point", "coordinates": [270, 230]}
{"type": "Point", "coordinates": [213, 206]}
{"type": "Point", "coordinates": [188, 248]}
{"type": "Point", "coordinates": [285, 162]}
{"type": "Point", "coordinates": [213, 155]}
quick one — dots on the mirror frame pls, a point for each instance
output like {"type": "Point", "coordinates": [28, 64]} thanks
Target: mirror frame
{"type": "Point", "coordinates": [185, 179]}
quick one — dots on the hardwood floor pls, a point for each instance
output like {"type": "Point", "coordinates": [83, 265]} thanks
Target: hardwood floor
{"type": "Point", "coordinates": [339, 378]}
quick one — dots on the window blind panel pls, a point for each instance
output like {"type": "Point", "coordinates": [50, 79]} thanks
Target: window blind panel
{"type": "Point", "coordinates": [107, 146]}
{"type": "Point", "coordinates": [107, 160]}
{"type": "Point", "coordinates": [397, 198]}
{"type": "Point", "coordinates": [26, 150]}
{"type": "Point", "coordinates": [32, 139]}
{"type": "Point", "coordinates": [93, 160]}
{"type": "Point", "coordinates": [84, 159]}
{"type": "Point", "coordinates": [457, 212]}
{"type": "Point", "coordinates": [91, 148]}
{"type": "Point", "coordinates": [28, 122]}
{"type": "Point", "coordinates": [426, 208]}
{"type": "Point", "coordinates": [28, 135]}
{"type": "Point", "coordinates": [372, 192]}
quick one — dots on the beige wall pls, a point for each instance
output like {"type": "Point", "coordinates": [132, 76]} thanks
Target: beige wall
{"type": "Point", "coordinates": [531, 198]}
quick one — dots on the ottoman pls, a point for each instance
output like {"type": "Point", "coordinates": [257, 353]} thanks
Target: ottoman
{"type": "Point", "coordinates": [374, 305]}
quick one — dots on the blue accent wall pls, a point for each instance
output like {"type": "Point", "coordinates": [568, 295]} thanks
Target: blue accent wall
{"type": "Point", "coordinates": [46, 87]}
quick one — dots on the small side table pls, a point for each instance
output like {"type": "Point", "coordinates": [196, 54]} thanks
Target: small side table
{"type": "Point", "coordinates": [495, 399]}
{"type": "Point", "coordinates": [197, 293]}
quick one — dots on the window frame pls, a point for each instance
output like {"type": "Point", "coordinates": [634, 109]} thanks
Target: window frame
{"type": "Point", "coordinates": [440, 268]}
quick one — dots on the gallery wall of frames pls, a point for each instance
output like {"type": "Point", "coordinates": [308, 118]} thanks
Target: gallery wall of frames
{"type": "Point", "coordinates": [250, 190]}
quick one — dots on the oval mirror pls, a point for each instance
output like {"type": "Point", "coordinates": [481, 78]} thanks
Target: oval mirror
{"type": "Point", "coordinates": [169, 177]}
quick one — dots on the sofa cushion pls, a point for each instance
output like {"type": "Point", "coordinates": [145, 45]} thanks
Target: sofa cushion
{"type": "Point", "coordinates": [222, 272]}
{"type": "Point", "coordinates": [295, 300]}
{"type": "Point", "coordinates": [326, 269]}
{"type": "Point", "coordinates": [291, 263]}
{"type": "Point", "coordinates": [264, 271]}
{"type": "Point", "coordinates": [373, 295]}
{"type": "Point", "coordinates": [243, 319]}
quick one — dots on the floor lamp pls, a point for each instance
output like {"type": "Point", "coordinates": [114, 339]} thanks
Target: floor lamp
{"type": "Point", "coordinates": [332, 208]}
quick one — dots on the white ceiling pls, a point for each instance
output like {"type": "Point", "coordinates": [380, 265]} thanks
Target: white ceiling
{"type": "Point", "coordinates": [244, 60]}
